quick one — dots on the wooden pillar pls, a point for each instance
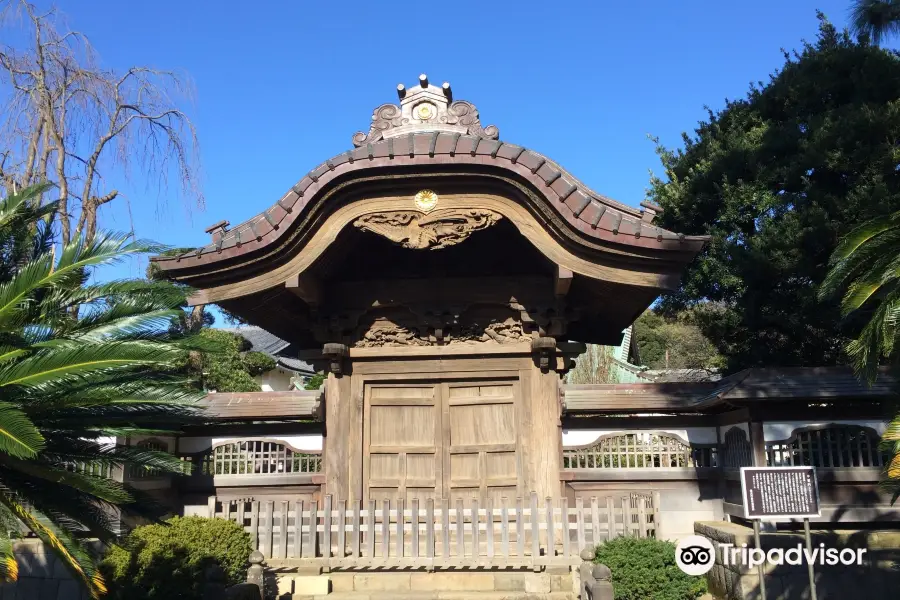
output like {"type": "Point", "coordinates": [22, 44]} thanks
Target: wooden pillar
{"type": "Point", "coordinates": [757, 444]}
{"type": "Point", "coordinates": [542, 458]}
{"type": "Point", "coordinates": [342, 443]}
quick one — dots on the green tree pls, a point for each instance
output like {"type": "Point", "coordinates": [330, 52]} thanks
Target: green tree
{"type": "Point", "coordinates": [777, 178]}
{"type": "Point", "coordinates": [314, 382]}
{"type": "Point", "coordinates": [875, 19]}
{"type": "Point", "coordinates": [866, 267]}
{"type": "Point", "coordinates": [230, 367]}
{"type": "Point", "coordinates": [71, 378]}
{"type": "Point", "coordinates": [675, 342]}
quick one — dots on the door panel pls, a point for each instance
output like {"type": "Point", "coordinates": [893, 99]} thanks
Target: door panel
{"type": "Point", "coordinates": [451, 439]}
{"type": "Point", "coordinates": [403, 442]}
{"type": "Point", "coordinates": [483, 440]}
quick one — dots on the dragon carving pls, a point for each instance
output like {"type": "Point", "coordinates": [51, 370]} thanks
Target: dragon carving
{"type": "Point", "coordinates": [418, 231]}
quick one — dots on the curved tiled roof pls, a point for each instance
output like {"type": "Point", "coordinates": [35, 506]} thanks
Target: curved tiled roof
{"type": "Point", "coordinates": [586, 211]}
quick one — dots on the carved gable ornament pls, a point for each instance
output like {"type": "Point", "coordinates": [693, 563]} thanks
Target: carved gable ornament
{"type": "Point", "coordinates": [425, 107]}
{"type": "Point", "coordinates": [419, 231]}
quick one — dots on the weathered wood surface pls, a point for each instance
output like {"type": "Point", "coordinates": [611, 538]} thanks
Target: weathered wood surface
{"type": "Point", "coordinates": [224, 406]}
{"type": "Point", "coordinates": [520, 532]}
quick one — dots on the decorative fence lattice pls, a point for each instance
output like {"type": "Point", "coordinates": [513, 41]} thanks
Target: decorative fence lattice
{"type": "Point", "coordinates": [639, 451]}
{"type": "Point", "coordinates": [523, 532]}
{"type": "Point", "coordinates": [257, 457]}
{"type": "Point", "coordinates": [834, 446]}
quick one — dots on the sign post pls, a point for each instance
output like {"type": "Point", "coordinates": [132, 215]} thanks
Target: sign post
{"type": "Point", "coordinates": [774, 493]}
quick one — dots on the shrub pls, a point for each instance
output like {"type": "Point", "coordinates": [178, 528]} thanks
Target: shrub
{"type": "Point", "coordinates": [645, 568]}
{"type": "Point", "coordinates": [168, 560]}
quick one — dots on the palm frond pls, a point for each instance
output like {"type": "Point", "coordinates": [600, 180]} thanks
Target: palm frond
{"type": "Point", "coordinates": [9, 568]}
{"type": "Point", "coordinates": [78, 361]}
{"type": "Point", "coordinates": [67, 549]}
{"type": "Point", "coordinates": [103, 488]}
{"type": "Point", "coordinates": [18, 435]}
{"type": "Point", "coordinates": [126, 320]}
{"type": "Point", "coordinates": [25, 206]}
{"type": "Point", "coordinates": [875, 19]}
{"type": "Point", "coordinates": [105, 248]}
{"type": "Point", "coordinates": [117, 456]}
{"type": "Point", "coordinates": [857, 252]}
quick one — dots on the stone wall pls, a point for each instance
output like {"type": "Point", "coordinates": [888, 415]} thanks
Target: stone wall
{"type": "Point", "coordinates": [878, 577]}
{"type": "Point", "coordinates": [42, 576]}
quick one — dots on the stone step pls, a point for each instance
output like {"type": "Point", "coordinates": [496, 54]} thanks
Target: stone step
{"type": "Point", "coordinates": [464, 595]}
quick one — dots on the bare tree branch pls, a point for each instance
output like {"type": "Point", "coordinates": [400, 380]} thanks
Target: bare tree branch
{"type": "Point", "coordinates": [65, 119]}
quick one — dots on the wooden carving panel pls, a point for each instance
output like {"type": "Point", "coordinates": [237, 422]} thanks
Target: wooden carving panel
{"type": "Point", "coordinates": [418, 231]}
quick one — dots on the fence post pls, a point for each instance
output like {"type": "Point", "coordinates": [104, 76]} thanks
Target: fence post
{"type": "Point", "coordinates": [326, 534]}
{"type": "Point", "coordinates": [535, 534]}
{"type": "Point", "coordinates": [256, 572]}
{"type": "Point", "coordinates": [595, 579]}
{"type": "Point", "coordinates": [642, 517]}
{"type": "Point", "coordinates": [601, 587]}
{"type": "Point", "coordinates": [626, 515]}
{"type": "Point", "coordinates": [656, 499]}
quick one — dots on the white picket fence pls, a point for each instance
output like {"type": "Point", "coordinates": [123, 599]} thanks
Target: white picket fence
{"type": "Point", "coordinates": [521, 533]}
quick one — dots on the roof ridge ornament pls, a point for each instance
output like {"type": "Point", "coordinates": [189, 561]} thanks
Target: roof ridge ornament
{"type": "Point", "coordinates": [425, 107]}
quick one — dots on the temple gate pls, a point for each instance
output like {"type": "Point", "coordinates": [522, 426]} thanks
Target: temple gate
{"type": "Point", "coordinates": [445, 280]}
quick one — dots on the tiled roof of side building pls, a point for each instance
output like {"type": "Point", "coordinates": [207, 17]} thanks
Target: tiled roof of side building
{"type": "Point", "coordinates": [268, 343]}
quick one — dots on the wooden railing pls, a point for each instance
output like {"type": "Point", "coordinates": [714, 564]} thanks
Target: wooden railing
{"type": "Point", "coordinates": [250, 458]}
{"type": "Point", "coordinates": [523, 532]}
{"type": "Point", "coordinates": [839, 446]}
{"type": "Point", "coordinates": [639, 451]}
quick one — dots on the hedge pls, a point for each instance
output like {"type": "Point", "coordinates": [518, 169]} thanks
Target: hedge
{"type": "Point", "coordinates": [644, 568]}
{"type": "Point", "coordinates": [168, 560]}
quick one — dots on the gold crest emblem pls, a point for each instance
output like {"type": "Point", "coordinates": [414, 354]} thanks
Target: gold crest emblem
{"type": "Point", "coordinates": [425, 200]}
{"type": "Point", "coordinates": [425, 111]}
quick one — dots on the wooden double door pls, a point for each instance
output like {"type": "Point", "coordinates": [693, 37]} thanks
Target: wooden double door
{"type": "Point", "coordinates": [444, 439]}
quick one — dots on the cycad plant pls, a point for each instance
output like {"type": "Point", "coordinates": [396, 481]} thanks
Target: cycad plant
{"type": "Point", "coordinates": [80, 363]}
{"type": "Point", "coordinates": [866, 267]}
{"type": "Point", "coordinates": [877, 19]}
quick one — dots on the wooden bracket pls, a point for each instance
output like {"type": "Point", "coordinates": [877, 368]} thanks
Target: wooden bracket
{"type": "Point", "coordinates": [544, 348]}
{"type": "Point", "coordinates": [335, 353]}
{"type": "Point", "coordinates": [305, 287]}
{"type": "Point", "coordinates": [562, 281]}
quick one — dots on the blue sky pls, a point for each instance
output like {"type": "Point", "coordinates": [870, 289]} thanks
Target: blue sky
{"type": "Point", "coordinates": [281, 86]}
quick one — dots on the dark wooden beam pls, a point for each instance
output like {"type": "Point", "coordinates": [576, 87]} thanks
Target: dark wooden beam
{"type": "Point", "coordinates": [254, 429]}
{"type": "Point", "coordinates": [306, 287]}
{"type": "Point", "coordinates": [846, 409]}
{"type": "Point", "coordinates": [733, 417]}
{"type": "Point", "coordinates": [664, 422]}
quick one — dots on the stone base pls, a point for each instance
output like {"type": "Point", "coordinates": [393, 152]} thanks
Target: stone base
{"type": "Point", "coordinates": [440, 596]}
{"type": "Point", "coordinates": [439, 585]}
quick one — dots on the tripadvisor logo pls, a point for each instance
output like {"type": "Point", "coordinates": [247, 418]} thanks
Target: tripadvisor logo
{"type": "Point", "coordinates": [695, 555]}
